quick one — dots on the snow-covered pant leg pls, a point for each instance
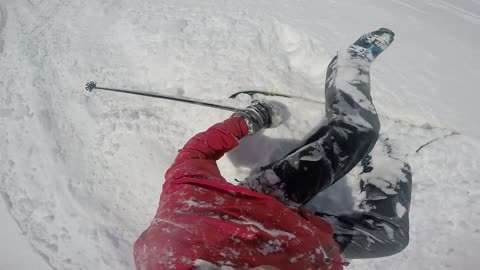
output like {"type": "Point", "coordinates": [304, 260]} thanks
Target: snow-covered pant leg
{"type": "Point", "coordinates": [348, 135]}
{"type": "Point", "coordinates": [381, 226]}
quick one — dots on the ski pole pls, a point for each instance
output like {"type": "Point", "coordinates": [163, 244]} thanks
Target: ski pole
{"type": "Point", "coordinates": [92, 85]}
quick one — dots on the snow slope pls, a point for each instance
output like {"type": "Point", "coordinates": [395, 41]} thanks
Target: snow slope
{"type": "Point", "coordinates": [81, 173]}
{"type": "Point", "coordinates": [16, 253]}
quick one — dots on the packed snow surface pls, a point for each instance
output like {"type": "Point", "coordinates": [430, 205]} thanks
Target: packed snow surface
{"type": "Point", "coordinates": [81, 173]}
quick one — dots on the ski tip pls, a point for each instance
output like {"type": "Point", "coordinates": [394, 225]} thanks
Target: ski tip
{"type": "Point", "coordinates": [89, 86]}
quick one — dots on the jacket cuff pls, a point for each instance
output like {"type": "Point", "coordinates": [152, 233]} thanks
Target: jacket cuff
{"type": "Point", "coordinates": [237, 126]}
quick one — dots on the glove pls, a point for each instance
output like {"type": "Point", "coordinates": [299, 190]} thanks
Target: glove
{"type": "Point", "coordinates": [260, 114]}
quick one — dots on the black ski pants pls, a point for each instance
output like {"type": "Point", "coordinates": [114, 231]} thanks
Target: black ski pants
{"type": "Point", "coordinates": [379, 227]}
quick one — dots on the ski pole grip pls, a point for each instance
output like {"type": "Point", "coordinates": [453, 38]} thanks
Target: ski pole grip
{"type": "Point", "coordinates": [89, 86]}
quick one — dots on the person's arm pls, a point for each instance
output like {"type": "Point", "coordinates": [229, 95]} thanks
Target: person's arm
{"type": "Point", "coordinates": [197, 159]}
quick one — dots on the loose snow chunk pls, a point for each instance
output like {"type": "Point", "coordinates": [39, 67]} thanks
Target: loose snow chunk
{"type": "Point", "coordinates": [295, 259]}
{"type": "Point", "coordinates": [204, 265]}
{"type": "Point", "coordinates": [228, 252]}
{"type": "Point", "coordinates": [272, 246]}
{"type": "Point", "coordinates": [314, 155]}
{"type": "Point", "coordinates": [401, 210]}
{"type": "Point", "coordinates": [158, 220]}
{"type": "Point", "coordinates": [262, 228]}
{"type": "Point", "coordinates": [305, 227]}
{"type": "Point", "coordinates": [190, 203]}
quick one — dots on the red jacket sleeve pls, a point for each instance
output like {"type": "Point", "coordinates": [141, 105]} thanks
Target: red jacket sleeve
{"type": "Point", "coordinates": [197, 159]}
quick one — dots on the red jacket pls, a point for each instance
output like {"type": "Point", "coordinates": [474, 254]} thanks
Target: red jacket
{"type": "Point", "coordinates": [202, 217]}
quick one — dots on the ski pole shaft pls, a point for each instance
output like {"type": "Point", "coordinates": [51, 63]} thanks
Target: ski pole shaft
{"type": "Point", "coordinates": [92, 85]}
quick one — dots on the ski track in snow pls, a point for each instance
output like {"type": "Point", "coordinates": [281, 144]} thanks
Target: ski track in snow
{"type": "Point", "coordinates": [458, 11]}
{"type": "Point", "coordinates": [3, 23]}
{"type": "Point", "coordinates": [81, 173]}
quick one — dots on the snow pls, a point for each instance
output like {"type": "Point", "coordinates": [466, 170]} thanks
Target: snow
{"type": "Point", "coordinates": [204, 265]}
{"type": "Point", "coordinates": [81, 173]}
{"type": "Point", "coordinates": [256, 225]}
{"type": "Point", "coordinates": [16, 253]}
{"type": "Point", "coordinates": [401, 210]}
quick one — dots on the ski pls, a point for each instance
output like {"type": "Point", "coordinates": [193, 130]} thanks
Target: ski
{"type": "Point", "coordinates": [399, 121]}
{"type": "Point", "coordinates": [272, 94]}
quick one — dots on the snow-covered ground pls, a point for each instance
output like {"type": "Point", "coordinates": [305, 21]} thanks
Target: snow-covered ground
{"type": "Point", "coordinates": [80, 174]}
